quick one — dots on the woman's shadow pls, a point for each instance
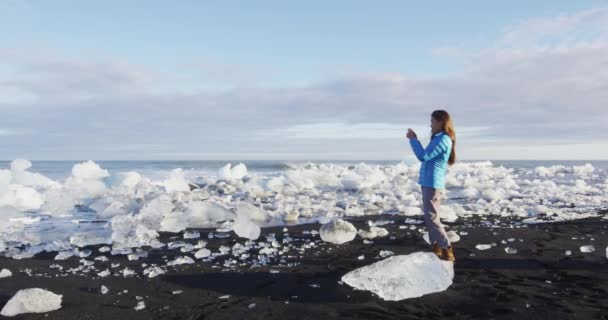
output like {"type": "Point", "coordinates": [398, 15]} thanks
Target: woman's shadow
{"type": "Point", "coordinates": [315, 287]}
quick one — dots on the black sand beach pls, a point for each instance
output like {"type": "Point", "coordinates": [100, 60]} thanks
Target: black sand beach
{"type": "Point", "coordinates": [537, 282]}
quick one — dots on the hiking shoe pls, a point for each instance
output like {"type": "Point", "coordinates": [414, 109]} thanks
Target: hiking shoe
{"type": "Point", "coordinates": [447, 254]}
{"type": "Point", "coordinates": [436, 250]}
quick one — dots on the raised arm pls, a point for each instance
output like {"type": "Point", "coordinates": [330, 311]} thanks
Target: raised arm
{"type": "Point", "coordinates": [433, 150]}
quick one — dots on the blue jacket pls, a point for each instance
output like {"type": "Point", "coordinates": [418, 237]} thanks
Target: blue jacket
{"type": "Point", "coordinates": [434, 160]}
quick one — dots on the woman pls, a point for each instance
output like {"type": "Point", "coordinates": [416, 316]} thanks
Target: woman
{"type": "Point", "coordinates": [435, 157]}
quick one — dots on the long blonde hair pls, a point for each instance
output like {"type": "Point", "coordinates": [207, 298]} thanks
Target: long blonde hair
{"type": "Point", "coordinates": [448, 127]}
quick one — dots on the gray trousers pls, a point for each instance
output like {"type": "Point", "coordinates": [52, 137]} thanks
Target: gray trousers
{"type": "Point", "coordinates": [431, 199]}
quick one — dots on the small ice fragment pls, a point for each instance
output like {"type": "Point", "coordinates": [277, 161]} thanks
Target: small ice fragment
{"type": "Point", "coordinates": [104, 289]}
{"type": "Point", "coordinates": [181, 260]}
{"type": "Point", "coordinates": [177, 291]}
{"type": "Point", "coordinates": [338, 231]}
{"type": "Point", "coordinates": [224, 297]}
{"type": "Point", "coordinates": [483, 246]}
{"type": "Point", "coordinates": [373, 232]}
{"type": "Point", "coordinates": [510, 250]}
{"type": "Point", "coordinates": [153, 272]}
{"type": "Point", "coordinates": [191, 235]}
{"type": "Point", "coordinates": [587, 249]}
{"type": "Point", "coordinates": [568, 252]}
{"type": "Point", "coordinates": [202, 253]}
{"type": "Point", "coordinates": [5, 273]}
{"type": "Point", "coordinates": [140, 305]}
{"type": "Point", "coordinates": [251, 306]}
{"type": "Point", "coordinates": [34, 300]}
{"type": "Point", "coordinates": [386, 253]}
{"type": "Point", "coordinates": [104, 273]}
{"type": "Point", "coordinates": [127, 272]}
{"type": "Point", "coordinates": [361, 257]}
{"type": "Point", "coordinates": [453, 236]}
{"type": "Point", "coordinates": [62, 255]}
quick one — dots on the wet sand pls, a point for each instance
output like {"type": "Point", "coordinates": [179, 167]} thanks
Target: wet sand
{"type": "Point", "coordinates": [538, 282]}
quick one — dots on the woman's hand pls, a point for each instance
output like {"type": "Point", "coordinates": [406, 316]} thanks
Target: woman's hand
{"type": "Point", "coordinates": [411, 134]}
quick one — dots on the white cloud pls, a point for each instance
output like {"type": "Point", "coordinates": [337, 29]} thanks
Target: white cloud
{"type": "Point", "coordinates": [544, 79]}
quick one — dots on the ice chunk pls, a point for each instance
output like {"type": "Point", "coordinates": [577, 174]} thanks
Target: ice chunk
{"type": "Point", "coordinates": [21, 198]}
{"type": "Point", "coordinates": [238, 172]}
{"type": "Point", "coordinates": [385, 253]}
{"type": "Point", "coordinates": [140, 306]}
{"type": "Point", "coordinates": [127, 231]}
{"type": "Point", "coordinates": [251, 211]}
{"type": "Point", "coordinates": [83, 239]}
{"type": "Point", "coordinates": [180, 260]}
{"type": "Point", "coordinates": [33, 300]}
{"type": "Point", "coordinates": [130, 180]}
{"type": "Point", "coordinates": [176, 182]}
{"type": "Point", "coordinates": [373, 232]}
{"type": "Point", "coordinates": [5, 180]}
{"type": "Point", "coordinates": [470, 192]}
{"type": "Point", "coordinates": [379, 223]}
{"type": "Point", "coordinates": [153, 272]}
{"type": "Point", "coordinates": [510, 250]}
{"type": "Point", "coordinates": [202, 213]}
{"type": "Point", "coordinates": [202, 253]}
{"type": "Point", "coordinates": [191, 235]}
{"type": "Point", "coordinates": [453, 236]}
{"type": "Point", "coordinates": [89, 170]}
{"type": "Point", "coordinates": [58, 201]}
{"type": "Point", "coordinates": [224, 172]}
{"type": "Point", "coordinates": [108, 207]}
{"type": "Point", "coordinates": [104, 289]}
{"type": "Point", "coordinates": [5, 273]}
{"type": "Point", "coordinates": [338, 231]}
{"type": "Point", "coordinates": [86, 180]}
{"type": "Point", "coordinates": [403, 276]}
{"type": "Point", "coordinates": [583, 170]}
{"type": "Point", "coordinates": [587, 249]}
{"type": "Point", "coordinates": [20, 165]}
{"type": "Point", "coordinates": [494, 194]}
{"type": "Point", "coordinates": [104, 273]}
{"type": "Point", "coordinates": [19, 175]}
{"type": "Point", "coordinates": [228, 172]}
{"type": "Point", "coordinates": [175, 221]}
{"type": "Point", "coordinates": [153, 211]}
{"type": "Point", "coordinates": [483, 246]}
{"type": "Point", "coordinates": [243, 225]}
{"type": "Point", "coordinates": [352, 181]}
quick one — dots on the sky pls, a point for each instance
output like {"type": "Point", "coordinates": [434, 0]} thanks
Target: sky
{"type": "Point", "coordinates": [301, 80]}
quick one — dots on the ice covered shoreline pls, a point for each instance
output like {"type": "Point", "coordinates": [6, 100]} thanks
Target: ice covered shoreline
{"type": "Point", "coordinates": [128, 210]}
{"type": "Point", "coordinates": [268, 281]}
